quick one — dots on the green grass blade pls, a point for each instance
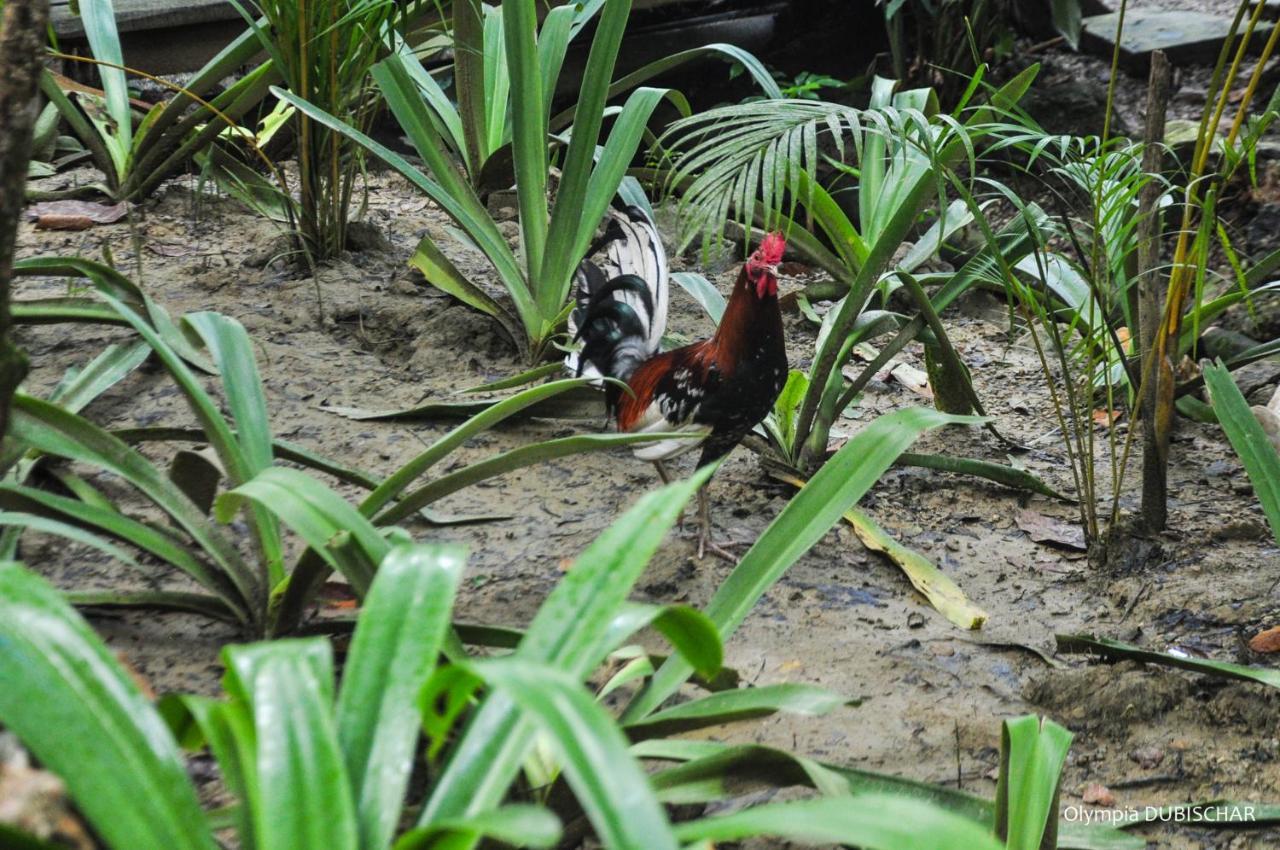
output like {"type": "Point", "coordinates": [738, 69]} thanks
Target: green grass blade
{"type": "Point", "coordinates": [722, 771]}
{"type": "Point", "coordinates": [227, 61]}
{"type": "Point", "coordinates": [529, 376]}
{"type": "Point", "coordinates": [393, 652]}
{"type": "Point", "coordinates": [302, 796]}
{"type": "Point", "coordinates": [508, 462]}
{"type": "Point", "coordinates": [491, 415]}
{"type": "Point", "coordinates": [1019, 479]}
{"type": "Point", "coordinates": [519, 825]}
{"type": "Point", "coordinates": [111, 283]}
{"type": "Point", "coordinates": [1117, 650]}
{"type": "Point", "coordinates": [232, 351]}
{"type": "Point", "coordinates": [574, 215]}
{"type": "Point", "coordinates": [739, 704]}
{"type": "Point", "coordinates": [469, 79]}
{"type": "Point", "coordinates": [52, 311]}
{"type": "Point", "coordinates": [609, 785]}
{"type": "Point", "coordinates": [496, 96]}
{"type": "Point", "coordinates": [1251, 443]}
{"type": "Point", "coordinates": [163, 600]}
{"type": "Point", "coordinates": [217, 430]}
{"type": "Point", "coordinates": [81, 386]}
{"type": "Point", "coordinates": [702, 291]}
{"type": "Point", "coordinates": [99, 20]}
{"type": "Point", "coordinates": [92, 518]}
{"type": "Point", "coordinates": [871, 821]}
{"type": "Point", "coordinates": [448, 189]}
{"type": "Point", "coordinates": [528, 136]}
{"type": "Point", "coordinates": [647, 72]}
{"type": "Point", "coordinates": [1032, 755]}
{"type": "Point", "coordinates": [714, 771]}
{"type": "Point", "coordinates": [686, 628]}
{"type": "Point", "coordinates": [553, 41]}
{"type": "Point", "coordinates": [601, 186]}
{"type": "Point", "coordinates": [441, 273]}
{"type": "Point", "coordinates": [54, 431]}
{"type": "Point", "coordinates": [448, 123]}
{"type": "Point", "coordinates": [569, 633]}
{"type": "Point", "coordinates": [64, 694]}
{"type": "Point", "coordinates": [327, 522]}
{"type": "Point", "coordinates": [45, 525]}
{"type": "Point", "coordinates": [835, 488]}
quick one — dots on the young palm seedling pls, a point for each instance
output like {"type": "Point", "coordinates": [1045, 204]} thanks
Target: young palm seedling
{"type": "Point", "coordinates": [136, 152]}
{"type": "Point", "coordinates": [506, 71]}
{"type": "Point", "coordinates": [261, 593]}
{"type": "Point", "coordinates": [308, 763]}
{"type": "Point", "coordinates": [758, 163]}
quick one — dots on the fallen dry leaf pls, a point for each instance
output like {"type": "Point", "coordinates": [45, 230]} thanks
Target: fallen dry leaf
{"type": "Point", "coordinates": [54, 221]}
{"type": "Point", "coordinates": [913, 379]}
{"type": "Point", "coordinates": [1268, 641]}
{"type": "Point", "coordinates": [35, 801]}
{"type": "Point", "coordinates": [1098, 795]}
{"type": "Point", "coordinates": [68, 210]}
{"type": "Point", "coordinates": [1104, 418]}
{"type": "Point", "coordinates": [1044, 529]}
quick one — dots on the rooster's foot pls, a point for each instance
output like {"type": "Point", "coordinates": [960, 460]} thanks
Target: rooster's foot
{"type": "Point", "coordinates": [720, 550]}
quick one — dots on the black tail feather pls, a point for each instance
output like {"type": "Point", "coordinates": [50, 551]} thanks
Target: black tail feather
{"type": "Point", "coordinates": [621, 292]}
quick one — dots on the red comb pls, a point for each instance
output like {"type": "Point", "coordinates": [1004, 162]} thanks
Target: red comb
{"type": "Point", "coordinates": [771, 249]}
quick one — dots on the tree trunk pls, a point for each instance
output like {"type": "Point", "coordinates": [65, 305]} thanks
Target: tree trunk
{"type": "Point", "coordinates": [22, 35]}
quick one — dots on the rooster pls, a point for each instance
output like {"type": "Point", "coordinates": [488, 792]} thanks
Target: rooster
{"type": "Point", "coordinates": [718, 388]}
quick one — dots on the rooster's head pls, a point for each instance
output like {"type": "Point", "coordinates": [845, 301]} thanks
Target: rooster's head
{"type": "Point", "coordinates": [762, 266]}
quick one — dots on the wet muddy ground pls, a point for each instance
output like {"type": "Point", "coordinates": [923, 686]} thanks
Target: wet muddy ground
{"type": "Point", "coordinates": [372, 335]}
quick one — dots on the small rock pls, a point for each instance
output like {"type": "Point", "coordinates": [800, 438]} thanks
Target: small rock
{"type": "Point", "coordinates": [915, 620]}
{"type": "Point", "coordinates": [1147, 757]}
{"type": "Point", "coordinates": [1095, 794]}
{"type": "Point", "coordinates": [366, 236]}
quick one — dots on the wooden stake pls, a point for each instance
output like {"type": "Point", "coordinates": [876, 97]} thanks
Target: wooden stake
{"type": "Point", "coordinates": [1155, 376]}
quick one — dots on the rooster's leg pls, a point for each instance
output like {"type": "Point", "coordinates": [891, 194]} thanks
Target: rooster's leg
{"type": "Point", "coordinates": [705, 543]}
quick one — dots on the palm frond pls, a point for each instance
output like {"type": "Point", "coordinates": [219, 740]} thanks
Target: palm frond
{"type": "Point", "coordinates": [755, 163]}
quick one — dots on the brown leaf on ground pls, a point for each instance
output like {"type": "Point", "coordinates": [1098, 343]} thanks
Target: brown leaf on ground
{"type": "Point", "coordinates": [54, 221]}
{"type": "Point", "coordinates": [70, 210]}
{"type": "Point", "coordinates": [1096, 794]}
{"type": "Point", "coordinates": [35, 801]}
{"type": "Point", "coordinates": [1268, 641]}
{"type": "Point", "coordinates": [913, 379]}
{"type": "Point", "coordinates": [1104, 418]}
{"type": "Point", "coordinates": [1044, 529]}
